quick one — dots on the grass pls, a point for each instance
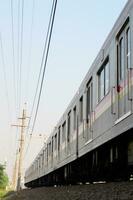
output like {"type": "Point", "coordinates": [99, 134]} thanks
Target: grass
{"type": "Point", "coordinates": [5, 193]}
{"type": "Point", "coordinates": [2, 193]}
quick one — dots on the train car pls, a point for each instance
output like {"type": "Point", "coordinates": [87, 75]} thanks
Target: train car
{"type": "Point", "coordinates": [93, 141]}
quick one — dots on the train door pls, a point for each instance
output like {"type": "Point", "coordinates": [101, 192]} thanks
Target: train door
{"type": "Point", "coordinates": [124, 72]}
{"type": "Point", "coordinates": [89, 109]}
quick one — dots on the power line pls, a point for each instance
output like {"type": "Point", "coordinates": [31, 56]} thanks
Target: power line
{"type": "Point", "coordinates": [30, 46]}
{"type": "Point", "coordinates": [13, 54]}
{"type": "Point", "coordinates": [18, 53]}
{"type": "Point", "coordinates": [45, 54]}
{"type": "Point", "coordinates": [45, 64]}
{"type": "Point", "coordinates": [5, 79]}
{"type": "Point", "coordinates": [15, 67]}
{"type": "Point", "coordinates": [44, 51]}
{"type": "Point", "coordinates": [44, 69]}
{"type": "Point", "coordinates": [41, 67]}
{"type": "Point", "coordinates": [21, 54]}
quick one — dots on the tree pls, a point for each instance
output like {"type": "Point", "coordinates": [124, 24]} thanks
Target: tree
{"type": "Point", "coordinates": [3, 177]}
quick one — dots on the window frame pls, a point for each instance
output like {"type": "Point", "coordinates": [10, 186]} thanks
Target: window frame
{"type": "Point", "coordinates": [68, 126]}
{"type": "Point", "coordinates": [99, 73]}
{"type": "Point", "coordinates": [55, 142]}
{"type": "Point", "coordinates": [126, 55]}
{"type": "Point", "coordinates": [74, 118]}
{"type": "Point", "coordinates": [89, 98]}
{"type": "Point", "coordinates": [59, 137]}
{"type": "Point", "coordinates": [128, 47]}
{"type": "Point", "coordinates": [64, 131]}
{"type": "Point", "coordinates": [50, 150]}
{"type": "Point", "coordinates": [121, 58]}
{"type": "Point", "coordinates": [81, 109]}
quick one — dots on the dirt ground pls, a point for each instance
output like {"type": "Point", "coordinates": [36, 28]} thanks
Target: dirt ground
{"type": "Point", "coordinates": [99, 191]}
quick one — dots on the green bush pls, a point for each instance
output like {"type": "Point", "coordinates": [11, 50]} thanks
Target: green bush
{"type": "Point", "coordinates": [2, 193]}
{"type": "Point", "coordinates": [3, 177]}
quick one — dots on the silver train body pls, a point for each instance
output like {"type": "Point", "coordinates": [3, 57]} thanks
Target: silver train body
{"type": "Point", "coordinates": [94, 138]}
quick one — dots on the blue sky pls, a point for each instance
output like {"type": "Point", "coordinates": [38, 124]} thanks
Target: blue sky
{"type": "Point", "coordinates": [80, 29]}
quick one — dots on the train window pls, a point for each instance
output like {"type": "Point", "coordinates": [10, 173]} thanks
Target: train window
{"type": "Point", "coordinates": [121, 61]}
{"type": "Point", "coordinates": [37, 165]}
{"type": "Point", "coordinates": [104, 81]}
{"type": "Point", "coordinates": [39, 160]}
{"type": "Point", "coordinates": [52, 145]}
{"type": "Point", "coordinates": [64, 131]}
{"type": "Point", "coordinates": [59, 139]}
{"type": "Point", "coordinates": [49, 151]}
{"type": "Point", "coordinates": [55, 141]}
{"type": "Point", "coordinates": [81, 108]}
{"type": "Point", "coordinates": [128, 48]}
{"type": "Point", "coordinates": [101, 85]}
{"type": "Point", "coordinates": [69, 126]}
{"type": "Point", "coordinates": [42, 161]}
{"type": "Point", "coordinates": [43, 158]}
{"type": "Point", "coordinates": [74, 118]}
{"type": "Point", "coordinates": [89, 101]}
{"type": "Point", "coordinates": [106, 78]}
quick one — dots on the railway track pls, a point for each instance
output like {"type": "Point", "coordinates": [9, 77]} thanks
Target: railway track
{"type": "Point", "coordinates": [99, 191]}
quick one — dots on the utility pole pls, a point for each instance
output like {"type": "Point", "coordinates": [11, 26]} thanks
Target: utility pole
{"type": "Point", "coordinates": [21, 150]}
{"type": "Point", "coordinates": [19, 158]}
{"type": "Point", "coordinates": [15, 172]}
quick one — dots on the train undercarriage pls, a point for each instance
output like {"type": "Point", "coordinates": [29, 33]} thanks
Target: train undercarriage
{"type": "Point", "coordinates": [113, 161]}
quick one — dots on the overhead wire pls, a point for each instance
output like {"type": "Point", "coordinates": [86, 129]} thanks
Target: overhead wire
{"type": "Point", "coordinates": [5, 80]}
{"type": "Point", "coordinates": [18, 53]}
{"type": "Point", "coordinates": [21, 55]}
{"type": "Point", "coordinates": [14, 70]}
{"type": "Point", "coordinates": [43, 67]}
{"type": "Point", "coordinates": [29, 54]}
{"type": "Point", "coordinates": [44, 50]}
{"type": "Point", "coordinates": [13, 56]}
{"type": "Point", "coordinates": [18, 65]}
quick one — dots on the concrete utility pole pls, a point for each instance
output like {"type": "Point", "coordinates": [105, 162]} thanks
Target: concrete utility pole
{"type": "Point", "coordinates": [21, 150]}
{"type": "Point", "coordinates": [15, 172]}
{"type": "Point", "coordinates": [19, 158]}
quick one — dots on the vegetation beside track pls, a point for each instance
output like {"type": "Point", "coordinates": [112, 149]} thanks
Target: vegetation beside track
{"type": "Point", "coordinates": [2, 193]}
{"type": "Point", "coordinates": [3, 181]}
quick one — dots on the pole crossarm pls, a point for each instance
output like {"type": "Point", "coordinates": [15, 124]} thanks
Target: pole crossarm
{"type": "Point", "coordinates": [19, 125]}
